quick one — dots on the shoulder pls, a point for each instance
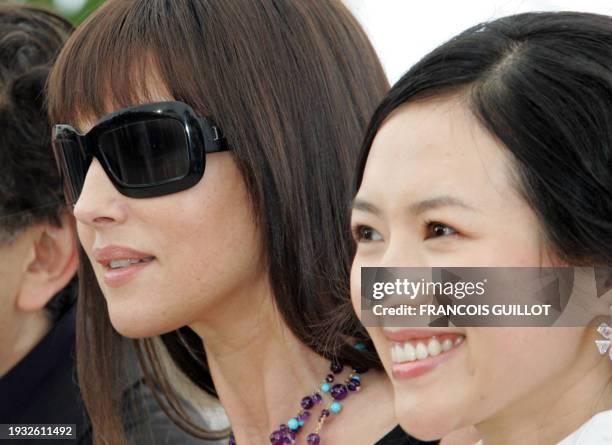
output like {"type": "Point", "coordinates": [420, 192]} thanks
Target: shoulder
{"type": "Point", "coordinates": [598, 430]}
{"type": "Point", "coordinates": [145, 421]}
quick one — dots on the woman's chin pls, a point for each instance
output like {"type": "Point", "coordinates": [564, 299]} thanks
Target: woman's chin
{"type": "Point", "coordinates": [135, 324]}
{"type": "Point", "coordinates": [426, 424]}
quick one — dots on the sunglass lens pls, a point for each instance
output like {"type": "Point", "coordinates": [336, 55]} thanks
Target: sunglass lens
{"type": "Point", "coordinates": [145, 153]}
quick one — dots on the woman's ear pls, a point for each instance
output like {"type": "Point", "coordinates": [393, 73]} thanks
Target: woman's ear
{"type": "Point", "coordinates": [54, 263]}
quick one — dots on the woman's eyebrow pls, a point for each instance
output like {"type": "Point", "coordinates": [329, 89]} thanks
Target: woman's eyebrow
{"type": "Point", "coordinates": [437, 202]}
{"type": "Point", "coordinates": [417, 208]}
{"type": "Point", "coordinates": [365, 206]}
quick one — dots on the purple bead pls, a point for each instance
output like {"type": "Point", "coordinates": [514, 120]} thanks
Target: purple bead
{"type": "Point", "coordinates": [304, 416]}
{"type": "Point", "coordinates": [324, 413]}
{"type": "Point", "coordinates": [338, 391]}
{"type": "Point", "coordinates": [351, 386]}
{"type": "Point", "coordinates": [317, 398]}
{"type": "Point", "coordinates": [292, 434]}
{"type": "Point", "coordinates": [232, 440]}
{"type": "Point", "coordinates": [313, 439]}
{"type": "Point", "coordinates": [307, 402]}
{"type": "Point", "coordinates": [336, 368]}
{"type": "Point", "coordinates": [277, 438]}
{"type": "Point", "coordinates": [282, 428]}
{"type": "Point", "coordinates": [329, 378]}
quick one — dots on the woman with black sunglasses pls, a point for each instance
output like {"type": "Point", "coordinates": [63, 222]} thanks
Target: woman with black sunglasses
{"type": "Point", "coordinates": [207, 147]}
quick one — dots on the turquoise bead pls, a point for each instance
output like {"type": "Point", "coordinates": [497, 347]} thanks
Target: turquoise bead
{"type": "Point", "coordinates": [293, 423]}
{"type": "Point", "coordinates": [356, 377]}
{"type": "Point", "coordinates": [301, 422]}
{"type": "Point", "coordinates": [335, 407]}
{"type": "Point", "coordinates": [360, 346]}
{"type": "Point", "coordinates": [325, 387]}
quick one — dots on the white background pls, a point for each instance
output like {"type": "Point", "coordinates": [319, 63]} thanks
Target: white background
{"type": "Point", "coordinates": [403, 31]}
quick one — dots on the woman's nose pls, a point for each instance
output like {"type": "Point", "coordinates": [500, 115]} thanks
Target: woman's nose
{"type": "Point", "coordinates": [100, 204]}
{"type": "Point", "coordinates": [404, 251]}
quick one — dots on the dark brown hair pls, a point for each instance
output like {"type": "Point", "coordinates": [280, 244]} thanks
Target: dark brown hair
{"type": "Point", "coordinates": [292, 85]}
{"type": "Point", "coordinates": [30, 186]}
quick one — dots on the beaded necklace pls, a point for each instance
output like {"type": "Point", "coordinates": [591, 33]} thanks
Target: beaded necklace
{"type": "Point", "coordinates": [287, 433]}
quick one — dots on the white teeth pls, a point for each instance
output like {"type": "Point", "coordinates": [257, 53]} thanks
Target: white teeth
{"type": "Point", "coordinates": [433, 347]}
{"type": "Point", "coordinates": [400, 354]}
{"type": "Point", "coordinates": [394, 357]}
{"type": "Point", "coordinates": [421, 351]}
{"type": "Point", "coordinates": [411, 351]}
{"type": "Point", "coordinates": [118, 264]}
{"type": "Point", "coordinates": [447, 345]}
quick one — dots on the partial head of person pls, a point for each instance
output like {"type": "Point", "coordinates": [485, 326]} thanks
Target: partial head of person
{"type": "Point", "coordinates": [38, 255]}
{"type": "Point", "coordinates": [208, 148]}
{"type": "Point", "coordinates": [495, 150]}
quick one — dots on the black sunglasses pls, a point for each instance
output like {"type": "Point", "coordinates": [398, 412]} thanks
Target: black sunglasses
{"type": "Point", "coordinates": [147, 150]}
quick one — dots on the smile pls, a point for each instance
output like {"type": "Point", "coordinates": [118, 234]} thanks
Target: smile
{"type": "Point", "coordinates": [415, 350]}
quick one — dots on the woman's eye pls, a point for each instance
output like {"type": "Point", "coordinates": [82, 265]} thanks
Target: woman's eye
{"type": "Point", "coordinates": [364, 234]}
{"type": "Point", "coordinates": [436, 230]}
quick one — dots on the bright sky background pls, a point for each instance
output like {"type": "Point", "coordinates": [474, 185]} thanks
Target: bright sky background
{"type": "Point", "coordinates": [402, 31]}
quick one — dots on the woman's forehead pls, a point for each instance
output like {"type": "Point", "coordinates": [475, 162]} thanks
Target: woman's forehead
{"type": "Point", "coordinates": [436, 146]}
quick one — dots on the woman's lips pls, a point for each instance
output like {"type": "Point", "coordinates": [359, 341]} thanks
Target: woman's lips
{"type": "Point", "coordinates": [120, 276]}
{"type": "Point", "coordinates": [121, 264]}
{"type": "Point", "coordinates": [415, 352]}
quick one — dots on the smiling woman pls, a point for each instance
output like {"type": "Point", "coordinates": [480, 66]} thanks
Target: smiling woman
{"type": "Point", "coordinates": [495, 150]}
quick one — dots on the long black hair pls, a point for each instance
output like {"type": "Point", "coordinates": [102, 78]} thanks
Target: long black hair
{"type": "Point", "coordinates": [541, 83]}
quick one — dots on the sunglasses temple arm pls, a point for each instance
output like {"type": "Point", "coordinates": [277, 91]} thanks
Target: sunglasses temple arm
{"type": "Point", "coordinates": [215, 141]}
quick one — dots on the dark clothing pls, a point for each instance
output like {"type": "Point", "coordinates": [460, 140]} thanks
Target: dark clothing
{"type": "Point", "coordinates": [397, 436]}
{"type": "Point", "coordinates": [42, 389]}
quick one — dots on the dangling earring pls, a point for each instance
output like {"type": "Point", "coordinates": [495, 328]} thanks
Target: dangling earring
{"type": "Point", "coordinates": [604, 346]}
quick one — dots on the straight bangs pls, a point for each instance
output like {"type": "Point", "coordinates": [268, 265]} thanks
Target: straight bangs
{"type": "Point", "coordinates": [108, 65]}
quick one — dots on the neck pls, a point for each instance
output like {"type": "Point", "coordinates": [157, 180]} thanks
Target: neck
{"type": "Point", "coordinates": [262, 371]}
{"type": "Point", "coordinates": [22, 333]}
{"type": "Point", "coordinates": [557, 408]}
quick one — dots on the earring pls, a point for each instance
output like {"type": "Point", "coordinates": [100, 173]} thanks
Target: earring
{"type": "Point", "coordinates": [606, 332]}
